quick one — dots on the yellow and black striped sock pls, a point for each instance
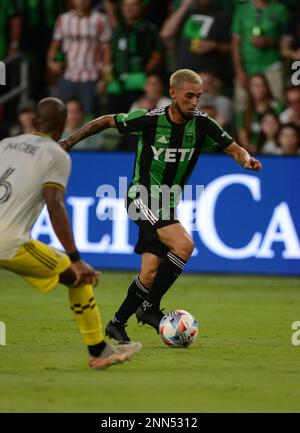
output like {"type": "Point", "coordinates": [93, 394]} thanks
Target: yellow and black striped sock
{"type": "Point", "coordinates": [86, 311]}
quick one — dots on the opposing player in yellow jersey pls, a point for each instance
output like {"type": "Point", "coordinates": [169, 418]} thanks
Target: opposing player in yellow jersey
{"type": "Point", "coordinates": [34, 170]}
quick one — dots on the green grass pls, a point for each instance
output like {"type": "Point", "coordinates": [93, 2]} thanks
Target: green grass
{"type": "Point", "coordinates": [242, 361]}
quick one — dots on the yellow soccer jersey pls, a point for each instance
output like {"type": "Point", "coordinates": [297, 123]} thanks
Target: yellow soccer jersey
{"type": "Point", "coordinates": [28, 162]}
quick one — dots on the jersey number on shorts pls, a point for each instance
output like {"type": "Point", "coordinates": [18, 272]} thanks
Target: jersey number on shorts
{"type": "Point", "coordinates": [5, 187]}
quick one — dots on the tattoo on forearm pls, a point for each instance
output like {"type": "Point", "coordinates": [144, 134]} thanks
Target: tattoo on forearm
{"type": "Point", "coordinates": [91, 128]}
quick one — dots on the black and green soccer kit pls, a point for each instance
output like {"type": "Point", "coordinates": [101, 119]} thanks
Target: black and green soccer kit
{"type": "Point", "coordinates": [166, 156]}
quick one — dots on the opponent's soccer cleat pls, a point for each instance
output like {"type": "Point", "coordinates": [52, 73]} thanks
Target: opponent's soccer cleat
{"type": "Point", "coordinates": [116, 330]}
{"type": "Point", "coordinates": [114, 354]}
{"type": "Point", "coordinates": [150, 314]}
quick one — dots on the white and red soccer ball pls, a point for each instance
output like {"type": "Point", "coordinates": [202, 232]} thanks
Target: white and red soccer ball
{"type": "Point", "coordinates": [178, 328]}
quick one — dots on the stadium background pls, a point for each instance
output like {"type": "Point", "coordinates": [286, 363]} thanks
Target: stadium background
{"type": "Point", "coordinates": [244, 359]}
{"type": "Point", "coordinates": [238, 206]}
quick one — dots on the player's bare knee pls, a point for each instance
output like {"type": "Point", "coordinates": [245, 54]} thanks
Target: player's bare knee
{"type": "Point", "coordinates": [185, 247]}
{"type": "Point", "coordinates": [147, 277]}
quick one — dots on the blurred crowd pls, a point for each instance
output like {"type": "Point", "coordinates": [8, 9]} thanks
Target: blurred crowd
{"type": "Point", "coordinates": [109, 56]}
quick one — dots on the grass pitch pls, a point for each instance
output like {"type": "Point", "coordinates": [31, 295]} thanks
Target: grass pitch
{"type": "Point", "coordinates": [242, 361]}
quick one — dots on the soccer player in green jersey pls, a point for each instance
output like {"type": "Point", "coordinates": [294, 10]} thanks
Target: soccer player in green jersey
{"type": "Point", "coordinates": [170, 142]}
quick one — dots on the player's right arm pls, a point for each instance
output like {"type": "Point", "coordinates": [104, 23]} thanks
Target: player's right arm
{"type": "Point", "coordinates": [94, 127]}
{"type": "Point", "coordinates": [126, 123]}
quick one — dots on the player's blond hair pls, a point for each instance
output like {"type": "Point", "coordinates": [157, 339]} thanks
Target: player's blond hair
{"type": "Point", "coordinates": [182, 76]}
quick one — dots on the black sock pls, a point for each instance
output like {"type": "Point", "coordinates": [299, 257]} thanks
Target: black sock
{"type": "Point", "coordinates": [137, 292]}
{"type": "Point", "coordinates": [97, 349]}
{"type": "Point", "coordinates": [167, 273]}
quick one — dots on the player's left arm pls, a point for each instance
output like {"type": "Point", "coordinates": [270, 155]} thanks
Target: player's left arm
{"type": "Point", "coordinates": [242, 157]}
{"type": "Point", "coordinates": [217, 135]}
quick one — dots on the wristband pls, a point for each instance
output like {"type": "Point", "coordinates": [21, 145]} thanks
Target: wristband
{"type": "Point", "coordinates": [74, 257]}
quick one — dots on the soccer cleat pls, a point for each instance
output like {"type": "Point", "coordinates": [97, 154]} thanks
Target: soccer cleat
{"type": "Point", "coordinates": [150, 314]}
{"type": "Point", "coordinates": [116, 330]}
{"type": "Point", "coordinates": [114, 354]}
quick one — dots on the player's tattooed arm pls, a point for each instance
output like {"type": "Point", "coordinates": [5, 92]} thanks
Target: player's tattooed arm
{"type": "Point", "coordinates": [242, 157]}
{"type": "Point", "coordinates": [91, 128]}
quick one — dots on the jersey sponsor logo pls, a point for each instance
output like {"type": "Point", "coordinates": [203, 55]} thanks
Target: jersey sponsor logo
{"type": "Point", "coordinates": [162, 140]}
{"type": "Point", "coordinates": [170, 155]}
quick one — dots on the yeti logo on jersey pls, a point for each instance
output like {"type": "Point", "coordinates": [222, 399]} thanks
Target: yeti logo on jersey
{"type": "Point", "coordinates": [170, 155]}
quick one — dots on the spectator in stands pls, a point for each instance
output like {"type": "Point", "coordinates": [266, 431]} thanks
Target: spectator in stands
{"type": "Point", "coordinates": [26, 114]}
{"type": "Point", "coordinates": [136, 51]}
{"type": "Point", "coordinates": [83, 37]}
{"type": "Point", "coordinates": [153, 97]}
{"type": "Point", "coordinates": [260, 100]}
{"type": "Point", "coordinates": [290, 44]}
{"type": "Point", "coordinates": [155, 11]}
{"type": "Point", "coordinates": [289, 140]}
{"type": "Point", "coordinates": [75, 120]}
{"type": "Point", "coordinates": [292, 113]}
{"type": "Point", "coordinates": [267, 142]}
{"type": "Point", "coordinates": [10, 33]}
{"type": "Point", "coordinates": [203, 37]}
{"type": "Point", "coordinates": [38, 22]}
{"type": "Point", "coordinates": [10, 28]}
{"type": "Point", "coordinates": [257, 29]}
{"type": "Point", "coordinates": [224, 106]}
{"type": "Point", "coordinates": [208, 104]}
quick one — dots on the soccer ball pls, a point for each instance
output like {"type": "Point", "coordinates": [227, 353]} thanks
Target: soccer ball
{"type": "Point", "coordinates": [178, 328]}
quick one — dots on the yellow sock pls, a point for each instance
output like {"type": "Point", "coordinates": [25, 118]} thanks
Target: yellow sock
{"type": "Point", "coordinates": [87, 313]}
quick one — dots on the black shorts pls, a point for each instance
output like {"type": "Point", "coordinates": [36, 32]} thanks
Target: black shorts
{"type": "Point", "coordinates": [148, 222]}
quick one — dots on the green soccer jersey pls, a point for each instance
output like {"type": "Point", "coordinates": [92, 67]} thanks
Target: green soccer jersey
{"type": "Point", "coordinates": [168, 152]}
{"type": "Point", "coordinates": [271, 21]}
